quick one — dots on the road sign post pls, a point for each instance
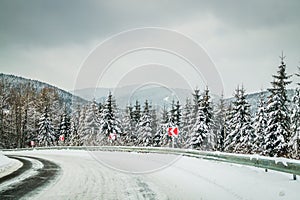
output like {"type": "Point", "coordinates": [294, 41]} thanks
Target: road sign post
{"type": "Point", "coordinates": [112, 136]}
{"type": "Point", "coordinates": [173, 132]}
{"type": "Point", "coordinates": [62, 138]}
{"type": "Point", "coordinates": [32, 143]}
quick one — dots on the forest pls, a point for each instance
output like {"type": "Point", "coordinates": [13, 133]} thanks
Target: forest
{"type": "Point", "coordinates": [34, 116]}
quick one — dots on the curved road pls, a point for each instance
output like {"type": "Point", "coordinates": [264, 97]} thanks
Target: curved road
{"type": "Point", "coordinates": [34, 173]}
{"type": "Point", "coordinates": [120, 175]}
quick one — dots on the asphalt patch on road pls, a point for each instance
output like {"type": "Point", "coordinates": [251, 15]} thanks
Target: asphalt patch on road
{"type": "Point", "coordinates": [49, 172]}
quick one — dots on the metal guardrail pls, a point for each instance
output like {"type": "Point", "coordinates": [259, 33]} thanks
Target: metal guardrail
{"type": "Point", "coordinates": [262, 162]}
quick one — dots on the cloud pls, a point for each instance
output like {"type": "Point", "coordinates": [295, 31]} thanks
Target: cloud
{"type": "Point", "coordinates": [51, 23]}
{"type": "Point", "coordinates": [35, 22]}
{"type": "Point", "coordinates": [240, 36]}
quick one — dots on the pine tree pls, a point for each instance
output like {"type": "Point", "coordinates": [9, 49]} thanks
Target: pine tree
{"type": "Point", "coordinates": [294, 143]}
{"type": "Point", "coordinates": [160, 137]}
{"type": "Point", "coordinates": [91, 128]}
{"type": "Point", "coordinates": [202, 136]}
{"type": "Point", "coordinates": [196, 100]}
{"type": "Point", "coordinates": [207, 108]}
{"type": "Point", "coordinates": [75, 127]}
{"type": "Point", "coordinates": [144, 127]}
{"type": "Point", "coordinates": [241, 137]}
{"type": "Point", "coordinates": [187, 125]}
{"type": "Point", "coordinates": [278, 124]}
{"type": "Point", "coordinates": [220, 124]}
{"type": "Point", "coordinates": [65, 128]}
{"type": "Point", "coordinates": [46, 136]}
{"type": "Point", "coordinates": [199, 131]}
{"type": "Point", "coordinates": [128, 127]}
{"type": "Point", "coordinates": [260, 122]}
{"type": "Point", "coordinates": [48, 97]}
{"type": "Point", "coordinates": [137, 112]}
{"type": "Point", "coordinates": [82, 124]}
{"type": "Point", "coordinates": [175, 121]}
{"type": "Point", "coordinates": [110, 124]}
{"type": "Point", "coordinates": [167, 140]}
{"type": "Point", "coordinates": [177, 114]}
{"type": "Point", "coordinates": [228, 115]}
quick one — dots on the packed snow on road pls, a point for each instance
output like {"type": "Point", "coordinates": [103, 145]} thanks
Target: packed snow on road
{"type": "Point", "coordinates": [124, 175]}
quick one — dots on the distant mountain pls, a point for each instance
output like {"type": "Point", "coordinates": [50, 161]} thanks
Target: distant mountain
{"type": "Point", "coordinates": [157, 95]}
{"type": "Point", "coordinates": [254, 98]}
{"type": "Point", "coordinates": [67, 97]}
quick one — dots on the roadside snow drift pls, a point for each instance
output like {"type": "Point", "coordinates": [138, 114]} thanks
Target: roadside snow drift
{"type": "Point", "coordinates": [3, 160]}
{"type": "Point", "coordinates": [8, 165]}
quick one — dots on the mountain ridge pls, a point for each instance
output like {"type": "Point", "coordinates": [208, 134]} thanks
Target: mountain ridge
{"type": "Point", "coordinates": [67, 96]}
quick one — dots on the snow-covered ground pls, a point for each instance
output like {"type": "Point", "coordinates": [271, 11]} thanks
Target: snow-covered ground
{"type": "Point", "coordinates": [123, 175]}
{"type": "Point", "coordinates": [8, 165]}
{"type": "Point", "coordinates": [4, 160]}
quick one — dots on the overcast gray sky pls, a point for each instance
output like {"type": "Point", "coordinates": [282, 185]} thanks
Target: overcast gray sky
{"type": "Point", "coordinates": [49, 40]}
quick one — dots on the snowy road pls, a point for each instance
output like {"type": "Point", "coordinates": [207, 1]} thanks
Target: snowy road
{"type": "Point", "coordinates": [33, 173]}
{"type": "Point", "coordinates": [120, 175]}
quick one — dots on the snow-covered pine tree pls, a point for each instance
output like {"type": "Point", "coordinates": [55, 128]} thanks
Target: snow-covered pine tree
{"type": "Point", "coordinates": [228, 125]}
{"type": "Point", "coordinates": [187, 125]}
{"type": "Point", "coordinates": [130, 138]}
{"type": "Point", "coordinates": [206, 106]}
{"type": "Point", "coordinates": [177, 117]}
{"type": "Point", "coordinates": [259, 124]}
{"type": "Point", "coordinates": [169, 141]}
{"type": "Point", "coordinates": [201, 136]}
{"type": "Point", "coordinates": [278, 124]}
{"type": "Point", "coordinates": [160, 136]}
{"type": "Point", "coordinates": [177, 114]}
{"type": "Point", "coordinates": [241, 137]}
{"type": "Point", "coordinates": [196, 100]}
{"type": "Point", "coordinates": [136, 117]}
{"type": "Point", "coordinates": [294, 144]}
{"type": "Point", "coordinates": [91, 126]}
{"type": "Point", "coordinates": [137, 112]}
{"type": "Point", "coordinates": [199, 132]}
{"type": "Point", "coordinates": [144, 127]}
{"type": "Point", "coordinates": [82, 124]}
{"type": "Point", "coordinates": [247, 131]}
{"type": "Point", "coordinates": [220, 124]}
{"type": "Point", "coordinates": [110, 124]}
{"type": "Point", "coordinates": [49, 97]}
{"type": "Point", "coordinates": [232, 121]}
{"type": "Point", "coordinates": [154, 125]}
{"type": "Point", "coordinates": [65, 128]}
{"type": "Point", "coordinates": [75, 127]}
{"type": "Point", "coordinates": [46, 136]}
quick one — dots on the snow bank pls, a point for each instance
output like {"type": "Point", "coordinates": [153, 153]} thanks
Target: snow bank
{"type": "Point", "coordinates": [8, 165]}
{"type": "Point", "coordinates": [4, 160]}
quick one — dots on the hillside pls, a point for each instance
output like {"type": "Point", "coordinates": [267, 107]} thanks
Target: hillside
{"type": "Point", "coordinates": [67, 97]}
